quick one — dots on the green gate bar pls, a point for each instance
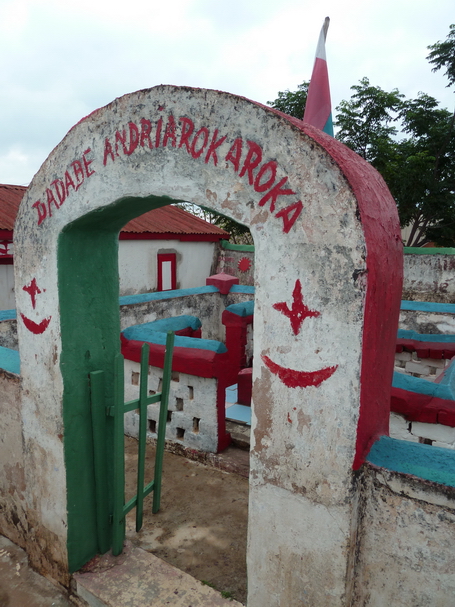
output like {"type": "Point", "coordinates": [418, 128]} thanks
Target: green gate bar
{"type": "Point", "coordinates": [118, 410]}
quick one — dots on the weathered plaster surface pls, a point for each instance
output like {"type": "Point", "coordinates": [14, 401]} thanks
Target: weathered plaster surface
{"type": "Point", "coordinates": [229, 260]}
{"type": "Point", "coordinates": [427, 322]}
{"type": "Point", "coordinates": [8, 334]}
{"type": "Point", "coordinates": [405, 555]}
{"type": "Point", "coordinates": [207, 307]}
{"type": "Point", "coordinates": [429, 278]}
{"type": "Point", "coordinates": [293, 570]}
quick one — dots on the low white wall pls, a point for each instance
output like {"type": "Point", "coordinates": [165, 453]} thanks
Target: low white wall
{"type": "Point", "coordinates": [208, 307]}
{"type": "Point", "coordinates": [138, 265]}
{"type": "Point", "coordinates": [192, 419]}
{"type": "Point", "coordinates": [427, 322]}
{"type": "Point", "coordinates": [405, 543]}
{"type": "Point", "coordinates": [429, 277]}
{"type": "Point", "coordinates": [8, 334]}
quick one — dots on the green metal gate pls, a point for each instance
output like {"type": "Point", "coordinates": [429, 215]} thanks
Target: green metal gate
{"type": "Point", "coordinates": [99, 411]}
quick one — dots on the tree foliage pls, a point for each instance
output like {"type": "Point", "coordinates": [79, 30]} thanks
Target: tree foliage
{"type": "Point", "coordinates": [411, 142]}
{"type": "Point", "coordinates": [292, 103]}
{"type": "Point", "coordinates": [239, 234]}
{"type": "Point", "coordinates": [443, 56]}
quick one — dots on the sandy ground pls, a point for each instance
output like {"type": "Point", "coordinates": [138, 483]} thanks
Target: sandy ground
{"type": "Point", "coordinates": [202, 525]}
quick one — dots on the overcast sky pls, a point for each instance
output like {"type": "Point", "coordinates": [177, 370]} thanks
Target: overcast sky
{"type": "Point", "coordinates": [60, 60]}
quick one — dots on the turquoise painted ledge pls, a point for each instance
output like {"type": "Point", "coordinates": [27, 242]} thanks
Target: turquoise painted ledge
{"type": "Point", "coordinates": [242, 309]}
{"type": "Point", "coordinates": [8, 315]}
{"type": "Point", "coordinates": [426, 337]}
{"type": "Point", "coordinates": [248, 248]}
{"type": "Point", "coordinates": [10, 360]}
{"type": "Point", "coordinates": [430, 463]}
{"type": "Point", "coordinates": [428, 251]}
{"type": "Point", "coordinates": [242, 289]}
{"type": "Point", "coordinates": [155, 333]}
{"type": "Point", "coordinates": [443, 390]}
{"type": "Point", "coordinates": [428, 306]}
{"type": "Point", "coordinates": [128, 300]}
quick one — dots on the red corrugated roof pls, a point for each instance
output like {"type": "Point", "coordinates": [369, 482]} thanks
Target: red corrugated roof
{"type": "Point", "coordinates": [172, 220]}
{"type": "Point", "coordinates": [166, 220]}
{"type": "Point", "coordinates": [10, 199]}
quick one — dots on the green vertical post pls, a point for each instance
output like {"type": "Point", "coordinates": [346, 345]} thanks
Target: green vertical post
{"type": "Point", "coordinates": [167, 370]}
{"type": "Point", "coordinates": [98, 412]}
{"type": "Point", "coordinates": [142, 433]}
{"type": "Point", "coordinates": [118, 531]}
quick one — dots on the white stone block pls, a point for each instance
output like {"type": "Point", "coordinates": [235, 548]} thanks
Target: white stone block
{"type": "Point", "coordinates": [438, 363]}
{"type": "Point", "coordinates": [403, 356]}
{"type": "Point", "coordinates": [417, 367]}
{"type": "Point", "coordinates": [400, 428]}
{"type": "Point", "coordinates": [435, 432]}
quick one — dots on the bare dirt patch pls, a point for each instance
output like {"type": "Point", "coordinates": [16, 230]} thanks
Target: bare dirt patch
{"type": "Point", "coordinates": [202, 525]}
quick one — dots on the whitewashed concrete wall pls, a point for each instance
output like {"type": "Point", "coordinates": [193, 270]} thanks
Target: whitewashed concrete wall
{"type": "Point", "coordinates": [8, 334]}
{"type": "Point", "coordinates": [427, 322]}
{"type": "Point", "coordinates": [429, 277]}
{"type": "Point", "coordinates": [192, 418]}
{"type": "Point", "coordinates": [138, 269]}
{"type": "Point", "coordinates": [405, 546]}
{"type": "Point", "coordinates": [7, 298]}
{"type": "Point", "coordinates": [208, 307]}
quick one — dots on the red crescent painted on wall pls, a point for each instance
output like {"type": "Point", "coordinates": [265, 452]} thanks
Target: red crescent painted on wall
{"type": "Point", "coordinates": [299, 379]}
{"type": "Point", "coordinates": [36, 328]}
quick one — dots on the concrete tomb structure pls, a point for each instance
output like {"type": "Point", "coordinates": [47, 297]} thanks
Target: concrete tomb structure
{"type": "Point", "coordinates": [327, 296]}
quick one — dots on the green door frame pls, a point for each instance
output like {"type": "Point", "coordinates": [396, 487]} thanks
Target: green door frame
{"type": "Point", "coordinates": [88, 288]}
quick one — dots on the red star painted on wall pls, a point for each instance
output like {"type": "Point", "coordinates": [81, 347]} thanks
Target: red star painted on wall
{"type": "Point", "coordinates": [299, 311]}
{"type": "Point", "coordinates": [244, 264]}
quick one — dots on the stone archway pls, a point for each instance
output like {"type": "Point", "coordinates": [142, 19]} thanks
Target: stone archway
{"type": "Point", "coordinates": [328, 287]}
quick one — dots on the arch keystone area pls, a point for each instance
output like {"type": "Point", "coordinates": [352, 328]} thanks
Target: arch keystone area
{"type": "Point", "coordinates": [328, 288]}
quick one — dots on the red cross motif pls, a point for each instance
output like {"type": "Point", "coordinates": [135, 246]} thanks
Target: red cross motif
{"type": "Point", "coordinates": [299, 311]}
{"type": "Point", "coordinates": [33, 290]}
{"type": "Point", "coordinates": [37, 328]}
{"type": "Point", "coordinates": [293, 378]}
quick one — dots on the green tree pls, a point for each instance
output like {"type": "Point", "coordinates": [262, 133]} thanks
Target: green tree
{"type": "Point", "coordinates": [292, 103]}
{"type": "Point", "coordinates": [239, 234]}
{"type": "Point", "coordinates": [411, 142]}
{"type": "Point", "coordinates": [367, 122]}
{"type": "Point", "coordinates": [442, 55]}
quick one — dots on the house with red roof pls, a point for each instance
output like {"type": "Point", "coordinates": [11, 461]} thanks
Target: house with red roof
{"type": "Point", "coordinates": [164, 249]}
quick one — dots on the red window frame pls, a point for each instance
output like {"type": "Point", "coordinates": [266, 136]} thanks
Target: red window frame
{"type": "Point", "coordinates": [162, 257]}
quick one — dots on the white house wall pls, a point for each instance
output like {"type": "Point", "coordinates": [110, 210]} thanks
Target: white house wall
{"type": "Point", "coordinates": [7, 299]}
{"type": "Point", "coordinates": [138, 267]}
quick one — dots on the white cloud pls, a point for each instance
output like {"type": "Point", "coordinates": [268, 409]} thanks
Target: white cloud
{"type": "Point", "coordinates": [61, 60]}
